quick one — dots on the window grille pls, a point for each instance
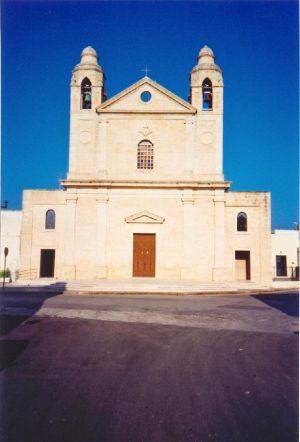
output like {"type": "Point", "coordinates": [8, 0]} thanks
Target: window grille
{"type": "Point", "coordinates": [145, 155]}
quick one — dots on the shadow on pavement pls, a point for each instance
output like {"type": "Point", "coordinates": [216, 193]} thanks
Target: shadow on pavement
{"type": "Point", "coordinates": [8, 323]}
{"type": "Point", "coordinates": [18, 305]}
{"type": "Point", "coordinates": [10, 350]}
{"type": "Point", "coordinates": [287, 303]}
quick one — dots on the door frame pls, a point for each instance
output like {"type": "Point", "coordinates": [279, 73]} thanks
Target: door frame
{"type": "Point", "coordinates": [282, 268]}
{"type": "Point", "coordinates": [247, 255]}
{"type": "Point", "coordinates": [42, 266]}
{"type": "Point", "coordinates": [133, 256]}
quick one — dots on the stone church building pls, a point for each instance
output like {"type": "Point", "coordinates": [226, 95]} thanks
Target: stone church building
{"type": "Point", "coordinates": [145, 195]}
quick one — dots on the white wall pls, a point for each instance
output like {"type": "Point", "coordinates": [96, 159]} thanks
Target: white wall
{"type": "Point", "coordinates": [285, 243]}
{"type": "Point", "coordinates": [10, 237]}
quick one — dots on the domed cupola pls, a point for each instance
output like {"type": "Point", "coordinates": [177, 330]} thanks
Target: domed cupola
{"type": "Point", "coordinates": [88, 60]}
{"type": "Point", "coordinates": [206, 60]}
{"type": "Point", "coordinates": [206, 55]}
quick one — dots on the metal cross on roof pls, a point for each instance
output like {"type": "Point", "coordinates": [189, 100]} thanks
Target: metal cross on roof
{"type": "Point", "coordinates": [146, 70]}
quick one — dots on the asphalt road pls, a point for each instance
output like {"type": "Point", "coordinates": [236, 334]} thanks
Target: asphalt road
{"type": "Point", "coordinates": [193, 368]}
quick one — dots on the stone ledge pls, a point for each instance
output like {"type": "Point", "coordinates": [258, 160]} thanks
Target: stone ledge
{"type": "Point", "coordinates": [146, 184]}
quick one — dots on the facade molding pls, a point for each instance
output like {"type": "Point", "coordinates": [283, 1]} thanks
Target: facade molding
{"type": "Point", "coordinates": [145, 217]}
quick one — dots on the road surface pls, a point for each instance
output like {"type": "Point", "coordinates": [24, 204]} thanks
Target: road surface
{"type": "Point", "coordinates": [131, 368]}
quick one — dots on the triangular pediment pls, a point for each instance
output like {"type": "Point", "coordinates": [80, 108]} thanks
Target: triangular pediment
{"type": "Point", "coordinates": [131, 100]}
{"type": "Point", "coordinates": [145, 217]}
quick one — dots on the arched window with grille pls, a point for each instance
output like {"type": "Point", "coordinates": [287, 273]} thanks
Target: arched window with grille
{"type": "Point", "coordinates": [145, 155]}
{"type": "Point", "coordinates": [207, 94]}
{"type": "Point", "coordinates": [86, 94]}
{"type": "Point", "coordinates": [241, 222]}
{"type": "Point", "coordinates": [50, 219]}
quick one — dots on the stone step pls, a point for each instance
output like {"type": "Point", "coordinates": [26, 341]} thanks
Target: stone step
{"type": "Point", "coordinates": [136, 286]}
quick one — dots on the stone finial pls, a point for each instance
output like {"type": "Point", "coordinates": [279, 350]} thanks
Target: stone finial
{"type": "Point", "coordinates": [206, 56]}
{"type": "Point", "coordinates": [89, 56]}
{"type": "Point", "coordinates": [89, 61]}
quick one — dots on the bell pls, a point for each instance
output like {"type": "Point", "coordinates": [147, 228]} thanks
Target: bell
{"type": "Point", "coordinates": [87, 98]}
{"type": "Point", "coordinates": [207, 96]}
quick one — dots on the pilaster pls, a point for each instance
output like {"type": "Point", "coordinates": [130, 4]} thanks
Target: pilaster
{"type": "Point", "coordinates": [219, 146]}
{"type": "Point", "coordinates": [70, 268]}
{"type": "Point", "coordinates": [72, 147]}
{"type": "Point", "coordinates": [101, 235]}
{"type": "Point", "coordinates": [188, 236]}
{"type": "Point", "coordinates": [219, 242]}
{"type": "Point", "coordinates": [189, 150]}
{"type": "Point", "coordinates": [101, 167]}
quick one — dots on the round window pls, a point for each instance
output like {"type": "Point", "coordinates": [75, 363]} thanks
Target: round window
{"type": "Point", "coordinates": [145, 96]}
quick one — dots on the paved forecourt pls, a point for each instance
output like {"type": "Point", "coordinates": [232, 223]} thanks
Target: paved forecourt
{"type": "Point", "coordinates": [149, 368]}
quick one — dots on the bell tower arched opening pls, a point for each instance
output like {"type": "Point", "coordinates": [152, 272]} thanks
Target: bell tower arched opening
{"type": "Point", "coordinates": [207, 94]}
{"type": "Point", "coordinates": [86, 94]}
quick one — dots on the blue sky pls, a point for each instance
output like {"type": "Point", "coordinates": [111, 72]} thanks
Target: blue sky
{"type": "Point", "coordinates": [255, 43]}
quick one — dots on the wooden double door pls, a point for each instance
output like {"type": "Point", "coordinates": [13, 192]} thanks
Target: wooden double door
{"type": "Point", "coordinates": [144, 254]}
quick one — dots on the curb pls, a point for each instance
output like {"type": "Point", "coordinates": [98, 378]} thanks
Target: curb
{"type": "Point", "coordinates": [36, 290]}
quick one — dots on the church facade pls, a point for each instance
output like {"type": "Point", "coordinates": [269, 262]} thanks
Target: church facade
{"type": "Point", "coordinates": [145, 195]}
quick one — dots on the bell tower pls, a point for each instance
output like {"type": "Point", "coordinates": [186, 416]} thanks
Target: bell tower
{"type": "Point", "coordinates": [206, 95]}
{"type": "Point", "coordinates": [87, 92]}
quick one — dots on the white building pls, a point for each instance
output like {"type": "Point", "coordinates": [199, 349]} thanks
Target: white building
{"type": "Point", "coordinates": [285, 254]}
{"type": "Point", "coordinates": [10, 238]}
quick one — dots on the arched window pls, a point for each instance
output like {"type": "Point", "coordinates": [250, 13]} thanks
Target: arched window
{"type": "Point", "coordinates": [241, 222]}
{"type": "Point", "coordinates": [207, 94]}
{"type": "Point", "coordinates": [50, 219]}
{"type": "Point", "coordinates": [145, 155]}
{"type": "Point", "coordinates": [86, 94]}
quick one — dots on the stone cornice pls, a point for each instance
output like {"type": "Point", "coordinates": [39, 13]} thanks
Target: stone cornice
{"type": "Point", "coordinates": [87, 67]}
{"type": "Point", "coordinates": [131, 184]}
{"type": "Point", "coordinates": [148, 111]}
{"type": "Point", "coordinates": [206, 67]}
{"type": "Point", "coordinates": [186, 107]}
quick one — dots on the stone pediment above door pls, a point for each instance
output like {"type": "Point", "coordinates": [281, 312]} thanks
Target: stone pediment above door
{"type": "Point", "coordinates": [146, 96]}
{"type": "Point", "coordinates": [145, 217]}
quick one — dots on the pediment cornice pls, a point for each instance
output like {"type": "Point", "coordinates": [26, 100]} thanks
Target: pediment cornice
{"type": "Point", "coordinates": [144, 217]}
{"type": "Point", "coordinates": [185, 106]}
